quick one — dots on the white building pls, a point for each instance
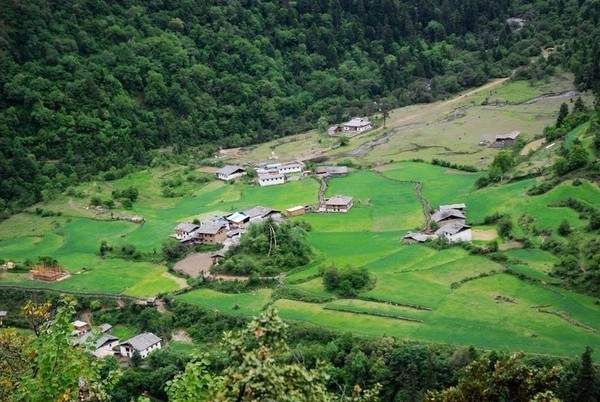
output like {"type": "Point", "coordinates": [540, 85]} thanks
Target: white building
{"type": "Point", "coordinates": [291, 167]}
{"type": "Point", "coordinates": [271, 178]}
{"type": "Point", "coordinates": [455, 232]}
{"type": "Point", "coordinates": [143, 343]}
{"type": "Point", "coordinates": [230, 172]}
{"type": "Point", "coordinates": [357, 124]}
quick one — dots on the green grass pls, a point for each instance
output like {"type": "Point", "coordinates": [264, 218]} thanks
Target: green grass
{"type": "Point", "coordinates": [157, 281]}
{"type": "Point", "coordinates": [576, 133]}
{"type": "Point", "coordinates": [247, 304]}
{"type": "Point", "coordinates": [123, 332]}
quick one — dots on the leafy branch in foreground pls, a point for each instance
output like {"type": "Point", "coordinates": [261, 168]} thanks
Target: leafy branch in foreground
{"type": "Point", "coordinates": [259, 371]}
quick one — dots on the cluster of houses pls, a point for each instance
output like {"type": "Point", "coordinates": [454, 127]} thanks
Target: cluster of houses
{"type": "Point", "coordinates": [101, 343]}
{"type": "Point", "coordinates": [218, 229]}
{"type": "Point", "coordinates": [269, 174]}
{"type": "Point", "coordinates": [451, 223]}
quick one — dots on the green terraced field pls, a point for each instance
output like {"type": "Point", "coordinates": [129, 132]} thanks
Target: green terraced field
{"type": "Point", "coordinates": [238, 304]}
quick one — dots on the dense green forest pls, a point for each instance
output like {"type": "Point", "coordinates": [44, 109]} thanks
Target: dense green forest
{"type": "Point", "coordinates": [89, 88]}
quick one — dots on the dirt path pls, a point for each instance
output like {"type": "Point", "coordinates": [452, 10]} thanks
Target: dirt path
{"type": "Point", "coordinates": [199, 264]}
{"type": "Point", "coordinates": [426, 205]}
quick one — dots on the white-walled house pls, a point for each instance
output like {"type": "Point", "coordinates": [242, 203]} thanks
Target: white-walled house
{"type": "Point", "coordinates": [455, 232]}
{"type": "Point", "coordinates": [230, 172]}
{"type": "Point", "coordinates": [357, 124]}
{"type": "Point", "coordinates": [291, 167]}
{"type": "Point", "coordinates": [271, 178]}
{"type": "Point", "coordinates": [143, 343]}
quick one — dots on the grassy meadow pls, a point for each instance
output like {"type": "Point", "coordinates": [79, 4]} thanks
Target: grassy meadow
{"type": "Point", "coordinates": [417, 292]}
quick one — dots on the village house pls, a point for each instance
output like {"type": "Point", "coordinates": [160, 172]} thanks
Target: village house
{"type": "Point", "coordinates": [3, 315]}
{"type": "Point", "coordinates": [97, 343]}
{"type": "Point", "coordinates": [185, 230]}
{"type": "Point", "coordinates": [238, 220]}
{"type": "Point", "coordinates": [271, 178]}
{"type": "Point", "coordinates": [211, 233]}
{"type": "Point", "coordinates": [338, 203]}
{"type": "Point", "coordinates": [455, 232]}
{"type": "Point", "coordinates": [217, 257]}
{"type": "Point", "coordinates": [80, 328]}
{"type": "Point", "coordinates": [105, 328]}
{"type": "Point", "coordinates": [143, 343]}
{"type": "Point", "coordinates": [505, 140]}
{"type": "Point", "coordinates": [448, 216]}
{"type": "Point", "coordinates": [357, 124]}
{"type": "Point", "coordinates": [459, 207]}
{"type": "Point", "coordinates": [291, 167]}
{"type": "Point", "coordinates": [230, 172]}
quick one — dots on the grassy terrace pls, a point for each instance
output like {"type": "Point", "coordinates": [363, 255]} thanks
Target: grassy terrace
{"type": "Point", "coordinates": [419, 293]}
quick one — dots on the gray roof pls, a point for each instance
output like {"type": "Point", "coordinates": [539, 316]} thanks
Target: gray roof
{"type": "Point", "coordinates": [260, 211]}
{"type": "Point", "coordinates": [453, 206]}
{"type": "Point", "coordinates": [229, 169]}
{"type": "Point", "coordinates": [237, 217]}
{"type": "Point", "coordinates": [339, 200]}
{"type": "Point", "coordinates": [142, 341]}
{"type": "Point", "coordinates": [510, 136]}
{"type": "Point", "coordinates": [417, 236]}
{"type": "Point", "coordinates": [270, 175]}
{"type": "Point", "coordinates": [210, 228]}
{"type": "Point", "coordinates": [357, 122]}
{"type": "Point", "coordinates": [3, 313]}
{"type": "Point", "coordinates": [186, 227]}
{"type": "Point", "coordinates": [97, 339]}
{"type": "Point", "coordinates": [447, 213]}
{"type": "Point", "coordinates": [332, 170]}
{"type": "Point", "coordinates": [105, 327]}
{"type": "Point", "coordinates": [452, 229]}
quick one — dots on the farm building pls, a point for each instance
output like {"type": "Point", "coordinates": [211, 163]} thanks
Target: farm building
{"type": "Point", "coordinates": [105, 328]}
{"type": "Point", "coordinates": [271, 178]}
{"type": "Point", "coordinates": [230, 172]}
{"type": "Point", "coordinates": [338, 203]}
{"type": "Point", "coordinates": [143, 343]}
{"type": "Point", "coordinates": [505, 140]}
{"type": "Point", "coordinates": [295, 211]}
{"type": "Point", "coordinates": [455, 232]}
{"type": "Point", "coordinates": [357, 124]}
{"type": "Point", "coordinates": [416, 237]}
{"type": "Point", "coordinates": [448, 216]}
{"type": "Point", "coordinates": [328, 171]}
{"type": "Point", "coordinates": [3, 315]}
{"type": "Point", "coordinates": [217, 257]}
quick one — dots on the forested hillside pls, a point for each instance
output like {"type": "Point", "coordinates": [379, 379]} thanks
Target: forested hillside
{"type": "Point", "coordinates": [89, 88]}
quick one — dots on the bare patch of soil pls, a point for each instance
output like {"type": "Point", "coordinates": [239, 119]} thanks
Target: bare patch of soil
{"type": "Point", "coordinates": [194, 264]}
{"type": "Point", "coordinates": [510, 245]}
{"type": "Point", "coordinates": [486, 235]}
{"type": "Point", "coordinates": [533, 146]}
{"type": "Point", "coordinates": [181, 335]}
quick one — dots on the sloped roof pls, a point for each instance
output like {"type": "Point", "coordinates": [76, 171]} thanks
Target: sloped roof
{"type": "Point", "coordinates": [105, 327]}
{"type": "Point", "coordinates": [357, 122]}
{"type": "Point", "coordinates": [229, 169]}
{"type": "Point", "coordinates": [452, 229]}
{"type": "Point", "coordinates": [260, 211]}
{"type": "Point", "coordinates": [79, 324]}
{"type": "Point", "coordinates": [447, 213]}
{"type": "Point", "coordinates": [142, 341]}
{"type": "Point", "coordinates": [339, 200]}
{"type": "Point", "coordinates": [417, 236]}
{"type": "Point", "coordinates": [510, 136]}
{"type": "Point", "coordinates": [186, 227]}
{"type": "Point", "coordinates": [237, 217]}
{"type": "Point", "coordinates": [270, 175]}
{"type": "Point", "coordinates": [453, 206]}
{"type": "Point", "coordinates": [210, 228]}
{"type": "Point", "coordinates": [99, 339]}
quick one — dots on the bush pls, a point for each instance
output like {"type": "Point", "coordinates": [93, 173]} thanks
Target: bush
{"type": "Point", "coordinates": [347, 282]}
{"type": "Point", "coordinates": [564, 229]}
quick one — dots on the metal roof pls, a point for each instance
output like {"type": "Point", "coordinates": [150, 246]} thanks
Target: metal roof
{"type": "Point", "coordinates": [142, 341]}
{"type": "Point", "coordinates": [447, 213]}
{"type": "Point", "coordinates": [452, 229]}
{"type": "Point", "coordinates": [229, 169]}
{"type": "Point", "coordinates": [453, 206]}
{"type": "Point", "coordinates": [339, 200]}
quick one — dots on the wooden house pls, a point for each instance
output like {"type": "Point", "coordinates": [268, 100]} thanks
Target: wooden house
{"type": "Point", "coordinates": [338, 203]}
{"type": "Point", "coordinates": [505, 140]}
{"type": "Point", "coordinates": [296, 211]}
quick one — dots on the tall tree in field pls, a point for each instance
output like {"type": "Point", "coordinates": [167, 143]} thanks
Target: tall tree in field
{"type": "Point", "coordinates": [587, 379]}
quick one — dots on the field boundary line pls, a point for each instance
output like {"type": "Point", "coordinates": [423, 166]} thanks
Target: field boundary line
{"type": "Point", "coordinates": [374, 314]}
{"type": "Point", "coordinates": [70, 292]}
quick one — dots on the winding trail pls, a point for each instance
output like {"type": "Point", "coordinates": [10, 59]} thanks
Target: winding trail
{"type": "Point", "coordinates": [426, 205]}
